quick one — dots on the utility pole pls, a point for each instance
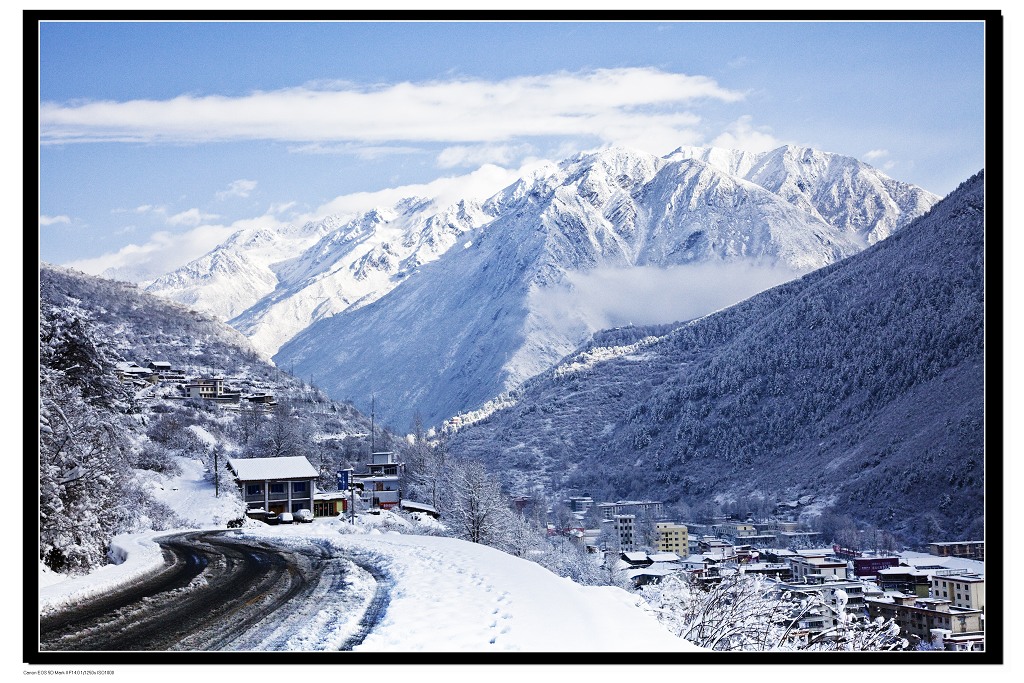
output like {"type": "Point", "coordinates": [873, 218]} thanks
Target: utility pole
{"type": "Point", "coordinates": [372, 408]}
{"type": "Point", "coordinates": [216, 473]}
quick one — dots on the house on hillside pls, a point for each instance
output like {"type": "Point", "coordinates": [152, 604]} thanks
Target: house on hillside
{"type": "Point", "coordinates": [166, 371]}
{"type": "Point", "coordinates": [381, 484]}
{"type": "Point", "coordinates": [275, 485]}
{"type": "Point", "coordinates": [212, 389]}
{"type": "Point", "coordinates": [131, 373]}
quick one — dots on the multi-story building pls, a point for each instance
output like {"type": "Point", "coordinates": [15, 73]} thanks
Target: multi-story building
{"type": "Point", "coordinates": [382, 482]}
{"type": "Point", "coordinates": [972, 550]}
{"type": "Point", "coordinates": [908, 580]}
{"type": "Point", "coordinates": [580, 503]}
{"type": "Point", "coordinates": [813, 570]}
{"type": "Point", "coordinates": [651, 508]}
{"type": "Point", "coordinates": [212, 389]}
{"type": "Point", "coordinates": [165, 371]}
{"type": "Point", "coordinates": [673, 538]}
{"type": "Point", "coordinates": [868, 566]}
{"type": "Point", "coordinates": [710, 545]}
{"type": "Point", "coordinates": [744, 531]}
{"type": "Point", "coordinates": [625, 531]}
{"type": "Point", "coordinates": [963, 589]}
{"type": "Point", "coordinates": [275, 485]}
{"type": "Point", "coordinates": [927, 618]}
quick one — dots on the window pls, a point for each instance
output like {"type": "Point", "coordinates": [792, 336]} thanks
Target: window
{"type": "Point", "coordinates": [253, 490]}
{"type": "Point", "coordinates": [277, 488]}
{"type": "Point", "coordinates": [299, 486]}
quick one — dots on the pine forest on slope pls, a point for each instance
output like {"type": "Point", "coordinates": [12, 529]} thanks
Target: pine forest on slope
{"type": "Point", "coordinates": [861, 383]}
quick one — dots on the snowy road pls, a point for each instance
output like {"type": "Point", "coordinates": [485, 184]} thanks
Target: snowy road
{"type": "Point", "coordinates": [220, 592]}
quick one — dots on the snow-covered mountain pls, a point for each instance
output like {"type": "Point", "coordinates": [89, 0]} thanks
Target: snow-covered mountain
{"type": "Point", "coordinates": [523, 278]}
{"type": "Point", "coordinates": [355, 264]}
{"type": "Point", "coordinates": [496, 298]}
{"type": "Point", "coordinates": [846, 193]}
{"type": "Point", "coordinates": [240, 271]}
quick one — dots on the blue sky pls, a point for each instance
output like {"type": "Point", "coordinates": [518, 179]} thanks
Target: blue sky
{"type": "Point", "coordinates": [160, 139]}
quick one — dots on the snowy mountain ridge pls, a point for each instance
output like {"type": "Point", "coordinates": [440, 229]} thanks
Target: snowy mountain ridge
{"type": "Point", "coordinates": [518, 260]}
{"type": "Point", "coordinates": [828, 185]}
{"type": "Point", "coordinates": [534, 282]}
{"type": "Point", "coordinates": [272, 292]}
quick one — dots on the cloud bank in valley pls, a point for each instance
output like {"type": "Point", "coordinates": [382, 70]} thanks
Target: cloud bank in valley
{"type": "Point", "coordinates": [647, 295]}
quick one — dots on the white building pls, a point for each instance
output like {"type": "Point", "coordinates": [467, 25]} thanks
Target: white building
{"type": "Point", "coordinates": [382, 482]}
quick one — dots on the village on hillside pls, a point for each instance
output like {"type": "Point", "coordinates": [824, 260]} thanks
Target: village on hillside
{"type": "Point", "coordinates": [161, 378]}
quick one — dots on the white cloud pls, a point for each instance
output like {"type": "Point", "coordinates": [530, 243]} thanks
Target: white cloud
{"type": "Point", "coordinates": [279, 208]}
{"type": "Point", "coordinates": [237, 188]}
{"type": "Point", "coordinates": [190, 217]}
{"type": "Point", "coordinates": [612, 105]}
{"type": "Point", "coordinates": [475, 155]}
{"type": "Point", "coordinates": [477, 185]}
{"type": "Point", "coordinates": [53, 220]}
{"type": "Point", "coordinates": [368, 152]}
{"type": "Point", "coordinates": [164, 252]}
{"type": "Point", "coordinates": [740, 134]}
{"type": "Point", "coordinates": [876, 154]}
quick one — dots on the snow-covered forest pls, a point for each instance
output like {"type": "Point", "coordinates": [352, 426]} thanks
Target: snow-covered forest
{"type": "Point", "coordinates": [99, 436]}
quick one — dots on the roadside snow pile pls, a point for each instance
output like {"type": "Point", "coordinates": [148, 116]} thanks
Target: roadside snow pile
{"type": "Point", "coordinates": [136, 555]}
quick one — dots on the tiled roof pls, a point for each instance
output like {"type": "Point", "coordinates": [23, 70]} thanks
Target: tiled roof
{"type": "Point", "coordinates": [260, 469]}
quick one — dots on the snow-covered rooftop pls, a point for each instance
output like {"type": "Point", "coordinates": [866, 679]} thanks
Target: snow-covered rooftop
{"type": "Point", "coordinates": [259, 469]}
{"type": "Point", "coordinates": [664, 557]}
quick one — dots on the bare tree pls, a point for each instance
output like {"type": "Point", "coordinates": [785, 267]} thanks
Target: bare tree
{"type": "Point", "coordinates": [473, 504]}
{"type": "Point", "coordinates": [750, 612]}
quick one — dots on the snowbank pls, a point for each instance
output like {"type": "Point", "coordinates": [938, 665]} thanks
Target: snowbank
{"type": "Point", "coordinates": [450, 595]}
{"type": "Point", "coordinates": [135, 555]}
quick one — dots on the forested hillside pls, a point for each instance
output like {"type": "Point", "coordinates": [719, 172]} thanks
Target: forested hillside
{"type": "Point", "coordinates": [101, 440]}
{"type": "Point", "coordinates": [861, 383]}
